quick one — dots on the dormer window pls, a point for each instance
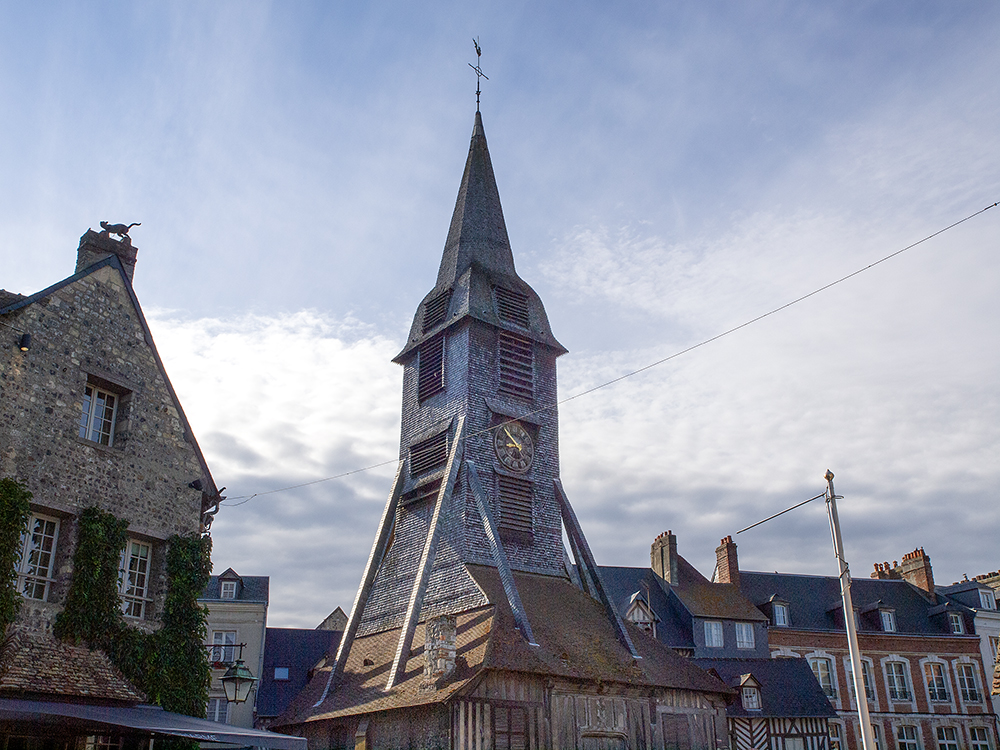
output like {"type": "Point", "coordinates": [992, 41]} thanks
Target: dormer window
{"type": "Point", "coordinates": [987, 600]}
{"type": "Point", "coordinates": [888, 617]}
{"type": "Point", "coordinates": [751, 698]}
{"type": "Point", "coordinates": [640, 613]}
{"type": "Point", "coordinates": [713, 634]}
{"type": "Point", "coordinates": [780, 615]}
{"type": "Point", "coordinates": [955, 621]}
{"type": "Point", "coordinates": [227, 590]}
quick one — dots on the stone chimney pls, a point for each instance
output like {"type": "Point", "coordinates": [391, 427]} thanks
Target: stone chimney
{"type": "Point", "coordinates": [663, 557]}
{"type": "Point", "coordinates": [915, 568]}
{"type": "Point", "coordinates": [96, 246]}
{"type": "Point", "coordinates": [439, 651]}
{"type": "Point", "coordinates": [728, 564]}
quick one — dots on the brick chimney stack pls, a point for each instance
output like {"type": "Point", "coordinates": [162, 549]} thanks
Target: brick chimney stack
{"type": "Point", "coordinates": [915, 568]}
{"type": "Point", "coordinates": [96, 246]}
{"type": "Point", "coordinates": [727, 562]}
{"type": "Point", "coordinates": [663, 556]}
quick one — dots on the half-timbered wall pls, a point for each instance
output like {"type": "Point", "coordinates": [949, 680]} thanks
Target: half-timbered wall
{"type": "Point", "coordinates": [779, 734]}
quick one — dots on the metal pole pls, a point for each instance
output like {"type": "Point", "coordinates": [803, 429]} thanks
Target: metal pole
{"type": "Point", "coordinates": [867, 739]}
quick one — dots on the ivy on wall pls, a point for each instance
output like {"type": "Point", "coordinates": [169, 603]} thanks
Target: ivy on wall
{"type": "Point", "coordinates": [14, 514]}
{"type": "Point", "coordinates": [170, 665]}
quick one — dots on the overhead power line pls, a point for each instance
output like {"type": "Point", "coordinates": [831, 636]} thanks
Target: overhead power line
{"type": "Point", "coordinates": [632, 373]}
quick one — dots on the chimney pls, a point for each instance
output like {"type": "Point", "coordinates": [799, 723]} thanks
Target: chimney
{"type": "Point", "coordinates": [916, 568]}
{"type": "Point", "coordinates": [96, 246]}
{"type": "Point", "coordinates": [728, 564]}
{"type": "Point", "coordinates": [439, 650]}
{"type": "Point", "coordinates": [663, 557]}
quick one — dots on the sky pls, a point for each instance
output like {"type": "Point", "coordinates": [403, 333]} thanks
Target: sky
{"type": "Point", "coordinates": [668, 171]}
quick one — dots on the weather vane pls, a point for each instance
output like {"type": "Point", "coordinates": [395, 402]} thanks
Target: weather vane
{"type": "Point", "coordinates": [479, 71]}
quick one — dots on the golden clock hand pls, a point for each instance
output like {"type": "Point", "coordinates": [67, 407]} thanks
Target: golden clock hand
{"type": "Point", "coordinates": [512, 438]}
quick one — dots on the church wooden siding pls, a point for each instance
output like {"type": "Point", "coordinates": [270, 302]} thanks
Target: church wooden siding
{"type": "Point", "coordinates": [779, 734]}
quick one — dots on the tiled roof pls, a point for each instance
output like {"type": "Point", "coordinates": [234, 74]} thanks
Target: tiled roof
{"type": "Point", "coordinates": [575, 641]}
{"type": "Point", "coordinates": [298, 650]}
{"type": "Point", "coordinates": [702, 598]}
{"type": "Point", "coordinates": [622, 583]}
{"type": "Point", "coordinates": [40, 665]}
{"type": "Point", "coordinates": [814, 601]}
{"type": "Point", "coordinates": [251, 589]}
{"type": "Point", "coordinates": [9, 298]}
{"type": "Point", "coordinates": [788, 687]}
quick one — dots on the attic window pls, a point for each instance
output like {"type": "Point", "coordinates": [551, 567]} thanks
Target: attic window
{"type": "Point", "coordinates": [888, 617]}
{"type": "Point", "coordinates": [228, 590]}
{"type": "Point", "coordinates": [512, 307]}
{"type": "Point", "coordinates": [780, 615]}
{"type": "Point", "coordinates": [429, 454]}
{"type": "Point", "coordinates": [751, 698]}
{"type": "Point", "coordinates": [516, 366]}
{"type": "Point", "coordinates": [986, 599]}
{"type": "Point", "coordinates": [281, 673]}
{"type": "Point", "coordinates": [436, 310]}
{"type": "Point", "coordinates": [430, 368]}
{"type": "Point", "coordinates": [516, 500]}
{"type": "Point", "coordinates": [955, 621]}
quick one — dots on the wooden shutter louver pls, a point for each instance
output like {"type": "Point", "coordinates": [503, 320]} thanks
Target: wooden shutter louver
{"type": "Point", "coordinates": [429, 454]}
{"type": "Point", "coordinates": [516, 500]}
{"type": "Point", "coordinates": [436, 310]}
{"type": "Point", "coordinates": [512, 306]}
{"type": "Point", "coordinates": [430, 368]}
{"type": "Point", "coordinates": [517, 371]}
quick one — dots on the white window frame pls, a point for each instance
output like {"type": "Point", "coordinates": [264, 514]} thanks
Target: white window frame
{"type": "Point", "coordinates": [936, 681]}
{"type": "Point", "coordinates": [227, 589]}
{"type": "Point", "coordinates": [905, 742]}
{"type": "Point", "coordinates": [987, 599]}
{"type": "Point", "coordinates": [133, 578]}
{"type": "Point", "coordinates": [888, 619]}
{"type": "Point", "coordinates": [713, 634]}
{"type": "Point", "coordinates": [982, 742]}
{"type": "Point", "coordinates": [780, 615]}
{"type": "Point", "coordinates": [955, 623]}
{"type": "Point", "coordinates": [968, 682]}
{"type": "Point", "coordinates": [866, 668]}
{"type": "Point", "coordinates": [751, 698]}
{"type": "Point", "coordinates": [745, 635]}
{"type": "Point", "coordinates": [816, 663]}
{"type": "Point", "coordinates": [224, 646]}
{"type": "Point", "coordinates": [38, 557]}
{"type": "Point", "coordinates": [943, 741]}
{"type": "Point", "coordinates": [95, 427]}
{"type": "Point", "coordinates": [216, 708]}
{"type": "Point", "coordinates": [836, 734]}
{"type": "Point", "coordinates": [897, 686]}
{"type": "Point", "coordinates": [877, 736]}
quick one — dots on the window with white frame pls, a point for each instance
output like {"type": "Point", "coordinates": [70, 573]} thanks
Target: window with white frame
{"type": "Point", "coordinates": [980, 738]}
{"type": "Point", "coordinates": [968, 685]}
{"type": "Point", "coordinates": [906, 737]}
{"type": "Point", "coordinates": [865, 677]}
{"type": "Point", "coordinates": [937, 689]}
{"type": "Point", "coordinates": [834, 736]}
{"type": "Point", "coordinates": [744, 635]}
{"type": "Point", "coordinates": [877, 736]}
{"type": "Point", "coordinates": [987, 600]}
{"type": "Point", "coordinates": [218, 710]}
{"type": "Point", "coordinates": [781, 615]}
{"type": "Point", "coordinates": [994, 647]}
{"type": "Point", "coordinates": [896, 682]}
{"type": "Point", "coordinates": [224, 646]}
{"type": "Point", "coordinates": [751, 698]}
{"type": "Point", "coordinates": [133, 578]}
{"type": "Point", "coordinates": [823, 669]}
{"type": "Point", "coordinates": [947, 738]}
{"type": "Point", "coordinates": [38, 551]}
{"type": "Point", "coordinates": [955, 621]}
{"type": "Point", "coordinates": [713, 634]}
{"type": "Point", "coordinates": [888, 617]}
{"type": "Point", "coordinates": [227, 590]}
{"type": "Point", "coordinates": [97, 420]}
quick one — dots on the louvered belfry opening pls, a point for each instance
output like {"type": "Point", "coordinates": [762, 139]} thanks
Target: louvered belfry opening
{"type": "Point", "coordinates": [436, 310]}
{"type": "Point", "coordinates": [516, 500]}
{"type": "Point", "coordinates": [430, 368]}
{"type": "Point", "coordinates": [517, 366]}
{"type": "Point", "coordinates": [512, 306]}
{"type": "Point", "coordinates": [429, 454]}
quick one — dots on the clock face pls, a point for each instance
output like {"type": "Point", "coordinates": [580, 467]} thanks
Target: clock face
{"type": "Point", "coordinates": [513, 446]}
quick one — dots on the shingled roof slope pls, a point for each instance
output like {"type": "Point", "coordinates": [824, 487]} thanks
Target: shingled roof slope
{"type": "Point", "coordinates": [788, 687]}
{"type": "Point", "coordinates": [298, 650]}
{"type": "Point", "coordinates": [706, 599]}
{"type": "Point", "coordinates": [622, 583]}
{"type": "Point", "coordinates": [40, 665]}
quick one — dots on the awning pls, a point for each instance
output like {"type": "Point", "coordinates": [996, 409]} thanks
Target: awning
{"type": "Point", "coordinates": [100, 719]}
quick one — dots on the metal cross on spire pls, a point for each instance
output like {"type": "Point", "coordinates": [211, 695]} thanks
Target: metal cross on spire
{"type": "Point", "coordinates": [479, 71]}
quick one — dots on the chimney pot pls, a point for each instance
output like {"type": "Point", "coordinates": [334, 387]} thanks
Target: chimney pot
{"type": "Point", "coordinates": [727, 562]}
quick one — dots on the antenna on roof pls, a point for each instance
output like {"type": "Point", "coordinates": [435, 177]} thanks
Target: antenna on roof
{"type": "Point", "coordinates": [479, 71]}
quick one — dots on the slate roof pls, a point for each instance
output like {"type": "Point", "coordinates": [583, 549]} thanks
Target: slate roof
{"type": "Point", "coordinates": [40, 665]}
{"type": "Point", "coordinates": [815, 602]}
{"type": "Point", "coordinates": [702, 598]}
{"type": "Point", "coordinates": [674, 628]}
{"type": "Point", "coordinates": [299, 650]}
{"type": "Point", "coordinates": [788, 687]}
{"type": "Point", "coordinates": [9, 298]}
{"type": "Point", "coordinates": [477, 256]}
{"type": "Point", "coordinates": [251, 589]}
{"type": "Point", "coordinates": [575, 641]}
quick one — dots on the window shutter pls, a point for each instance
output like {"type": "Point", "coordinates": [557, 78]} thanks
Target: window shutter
{"type": "Point", "coordinates": [512, 306]}
{"type": "Point", "coordinates": [430, 368]}
{"type": "Point", "coordinates": [516, 500]}
{"type": "Point", "coordinates": [429, 454]}
{"type": "Point", "coordinates": [436, 310]}
{"type": "Point", "coordinates": [517, 366]}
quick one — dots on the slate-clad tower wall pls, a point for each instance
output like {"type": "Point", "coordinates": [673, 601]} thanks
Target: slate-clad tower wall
{"type": "Point", "coordinates": [480, 347]}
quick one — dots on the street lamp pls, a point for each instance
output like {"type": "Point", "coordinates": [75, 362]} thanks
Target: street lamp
{"type": "Point", "coordinates": [237, 682]}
